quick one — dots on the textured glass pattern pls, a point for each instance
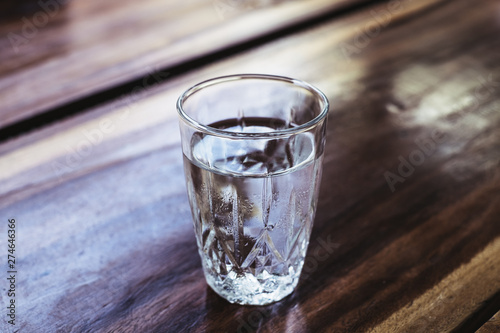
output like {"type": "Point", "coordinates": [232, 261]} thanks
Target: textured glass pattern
{"type": "Point", "coordinates": [253, 232]}
{"type": "Point", "coordinates": [253, 147]}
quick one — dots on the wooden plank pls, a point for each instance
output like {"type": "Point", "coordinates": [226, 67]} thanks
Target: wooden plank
{"type": "Point", "coordinates": [459, 294]}
{"type": "Point", "coordinates": [105, 233]}
{"type": "Point", "coordinates": [56, 54]}
{"type": "Point", "coordinates": [492, 326]}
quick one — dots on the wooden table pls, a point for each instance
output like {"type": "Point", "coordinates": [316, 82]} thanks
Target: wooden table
{"type": "Point", "coordinates": [407, 232]}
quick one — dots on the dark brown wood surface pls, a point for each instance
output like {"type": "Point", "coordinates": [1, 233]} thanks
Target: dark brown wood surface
{"type": "Point", "coordinates": [55, 54]}
{"type": "Point", "coordinates": [492, 326]}
{"type": "Point", "coordinates": [407, 233]}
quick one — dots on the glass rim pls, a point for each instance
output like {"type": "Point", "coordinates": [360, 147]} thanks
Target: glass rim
{"type": "Point", "coordinates": [240, 135]}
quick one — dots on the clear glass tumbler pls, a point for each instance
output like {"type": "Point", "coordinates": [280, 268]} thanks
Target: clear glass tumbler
{"type": "Point", "coordinates": [253, 150]}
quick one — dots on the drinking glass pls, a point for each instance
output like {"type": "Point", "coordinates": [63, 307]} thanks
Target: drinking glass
{"type": "Point", "coordinates": [253, 149]}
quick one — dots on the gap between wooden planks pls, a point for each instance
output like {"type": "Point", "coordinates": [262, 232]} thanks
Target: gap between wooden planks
{"type": "Point", "coordinates": [58, 137]}
{"type": "Point", "coordinates": [448, 303]}
{"type": "Point", "coordinates": [96, 46]}
{"type": "Point", "coordinates": [492, 326]}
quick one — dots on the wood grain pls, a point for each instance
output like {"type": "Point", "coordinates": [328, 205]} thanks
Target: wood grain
{"type": "Point", "coordinates": [457, 294]}
{"type": "Point", "coordinates": [60, 53]}
{"type": "Point", "coordinates": [105, 232]}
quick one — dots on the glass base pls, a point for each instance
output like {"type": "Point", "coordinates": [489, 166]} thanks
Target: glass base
{"type": "Point", "coordinates": [246, 289]}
